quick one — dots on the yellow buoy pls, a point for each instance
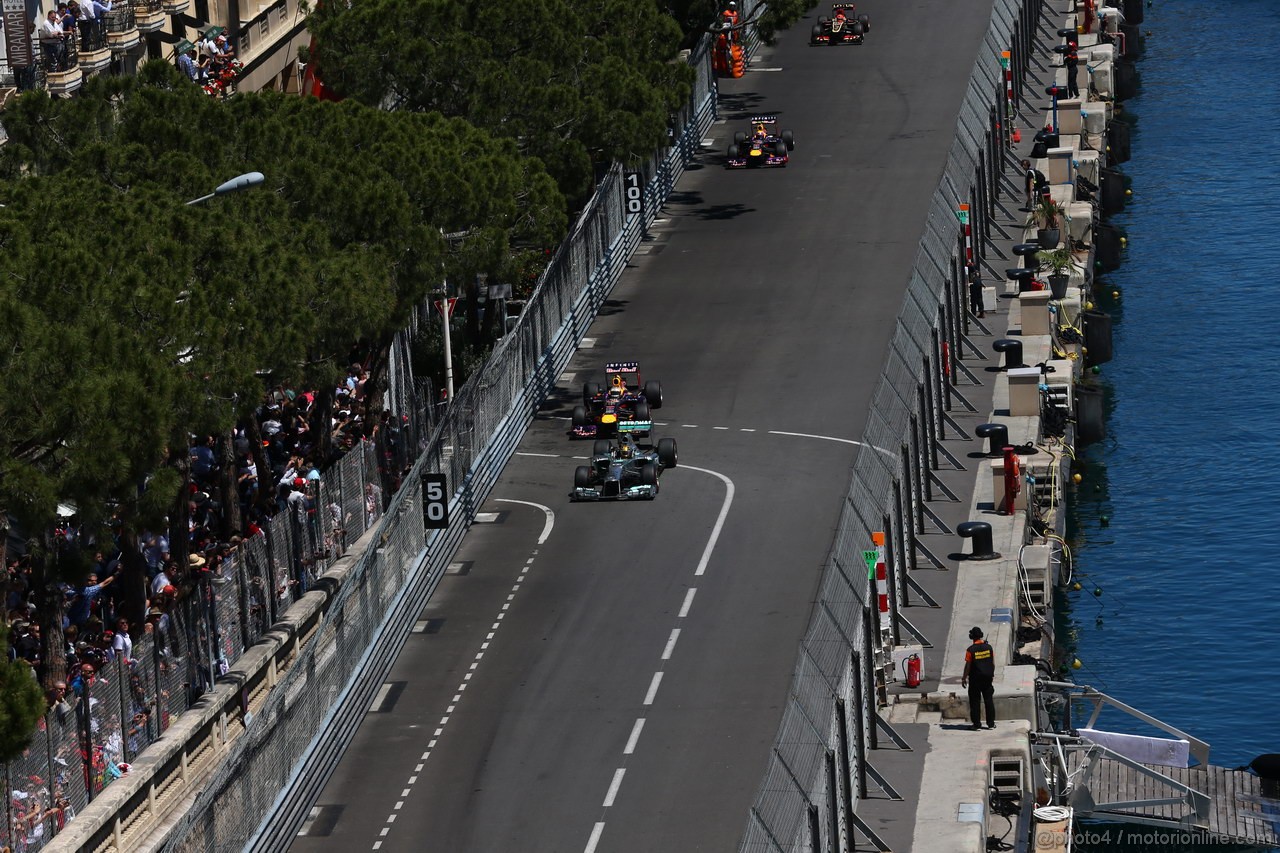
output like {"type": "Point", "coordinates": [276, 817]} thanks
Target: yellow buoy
{"type": "Point", "coordinates": [1075, 478]}
{"type": "Point", "coordinates": [1075, 663]}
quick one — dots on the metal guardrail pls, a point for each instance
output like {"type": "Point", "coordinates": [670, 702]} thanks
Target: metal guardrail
{"type": "Point", "coordinates": [818, 764]}
{"type": "Point", "coordinates": [317, 672]}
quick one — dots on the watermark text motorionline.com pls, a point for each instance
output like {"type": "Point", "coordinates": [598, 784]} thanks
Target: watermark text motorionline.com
{"type": "Point", "coordinates": [1161, 837]}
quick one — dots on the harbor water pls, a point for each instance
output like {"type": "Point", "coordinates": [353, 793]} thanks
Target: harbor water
{"type": "Point", "coordinates": [1175, 530]}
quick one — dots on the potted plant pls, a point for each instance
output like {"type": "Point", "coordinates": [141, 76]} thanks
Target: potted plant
{"type": "Point", "coordinates": [1059, 261]}
{"type": "Point", "coordinates": [1048, 217]}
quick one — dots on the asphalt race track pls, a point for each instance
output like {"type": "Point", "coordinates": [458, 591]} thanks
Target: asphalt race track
{"type": "Point", "coordinates": [610, 676]}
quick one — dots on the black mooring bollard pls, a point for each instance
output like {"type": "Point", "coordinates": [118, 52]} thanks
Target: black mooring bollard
{"type": "Point", "coordinates": [1028, 252]}
{"type": "Point", "coordinates": [1022, 276]}
{"type": "Point", "coordinates": [999, 435]}
{"type": "Point", "coordinates": [980, 533]}
{"type": "Point", "coordinates": [1012, 350]}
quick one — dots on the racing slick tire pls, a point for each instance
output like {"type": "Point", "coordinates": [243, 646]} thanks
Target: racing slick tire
{"type": "Point", "coordinates": [641, 411]}
{"type": "Point", "coordinates": [653, 393]}
{"type": "Point", "coordinates": [816, 37]}
{"type": "Point", "coordinates": [789, 139]}
{"type": "Point", "coordinates": [734, 152]}
{"type": "Point", "coordinates": [648, 474]}
{"type": "Point", "coordinates": [582, 477]}
{"type": "Point", "coordinates": [590, 391]}
{"type": "Point", "coordinates": [601, 447]}
{"type": "Point", "coordinates": [857, 29]}
{"type": "Point", "coordinates": [739, 137]}
{"type": "Point", "coordinates": [780, 150]}
{"type": "Point", "coordinates": [580, 416]}
{"type": "Point", "coordinates": [667, 452]}
{"type": "Point", "coordinates": [865, 20]}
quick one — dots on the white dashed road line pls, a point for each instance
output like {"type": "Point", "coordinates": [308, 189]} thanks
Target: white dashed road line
{"type": "Point", "coordinates": [671, 644]}
{"type": "Point", "coordinates": [598, 829]}
{"type": "Point", "coordinates": [546, 532]}
{"type": "Point", "coordinates": [653, 688]}
{"type": "Point", "coordinates": [635, 736]}
{"type": "Point", "coordinates": [614, 786]}
{"type": "Point", "coordinates": [595, 837]}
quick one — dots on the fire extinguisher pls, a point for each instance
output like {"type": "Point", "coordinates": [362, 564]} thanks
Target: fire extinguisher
{"type": "Point", "coordinates": [912, 665]}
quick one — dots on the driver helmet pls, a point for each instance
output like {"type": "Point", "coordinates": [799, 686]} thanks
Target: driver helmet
{"type": "Point", "coordinates": [619, 384]}
{"type": "Point", "coordinates": [840, 13]}
{"type": "Point", "coordinates": [624, 450]}
{"type": "Point", "coordinates": [760, 129]}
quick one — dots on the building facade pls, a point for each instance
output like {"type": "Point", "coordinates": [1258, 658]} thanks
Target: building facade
{"type": "Point", "coordinates": [266, 35]}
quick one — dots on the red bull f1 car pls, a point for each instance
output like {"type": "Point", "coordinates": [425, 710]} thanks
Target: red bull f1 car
{"type": "Point", "coordinates": [623, 471]}
{"type": "Point", "coordinates": [844, 26]}
{"type": "Point", "coordinates": [622, 406]}
{"type": "Point", "coordinates": [763, 147]}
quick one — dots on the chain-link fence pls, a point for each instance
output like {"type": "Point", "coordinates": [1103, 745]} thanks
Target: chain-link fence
{"type": "Point", "coordinates": [129, 703]}
{"type": "Point", "coordinates": [332, 678]}
{"type": "Point", "coordinates": [817, 769]}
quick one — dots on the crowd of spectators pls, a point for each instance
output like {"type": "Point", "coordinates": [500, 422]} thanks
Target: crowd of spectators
{"type": "Point", "coordinates": [210, 63]}
{"type": "Point", "coordinates": [73, 22]}
{"type": "Point", "coordinates": [137, 589]}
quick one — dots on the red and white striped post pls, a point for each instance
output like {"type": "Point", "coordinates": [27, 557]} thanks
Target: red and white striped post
{"type": "Point", "coordinates": [882, 580]}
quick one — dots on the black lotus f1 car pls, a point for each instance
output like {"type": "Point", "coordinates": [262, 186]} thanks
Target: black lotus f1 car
{"type": "Point", "coordinates": [623, 471]}
{"type": "Point", "coordinates": [844, 26]}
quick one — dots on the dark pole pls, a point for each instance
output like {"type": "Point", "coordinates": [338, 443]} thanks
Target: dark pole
{"type": "Point", "coordinates": [891, 556]}
{"type": "Point", "coordinates": [859, 730]}
{"type": "Point", "coordinates": [842, 720]}
{"type": "Point", "coordinates": [833, 802]}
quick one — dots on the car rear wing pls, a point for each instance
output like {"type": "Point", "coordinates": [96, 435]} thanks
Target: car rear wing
{"type": "Point", "coordinates": [764, 119]}
{"type": "Point", "coordinates": [835, 6]}
{"type": "Point", "coordinates": [622, 367]}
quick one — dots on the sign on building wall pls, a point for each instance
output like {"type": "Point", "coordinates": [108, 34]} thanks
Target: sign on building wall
{"type": "Point", "coordinates": [17, 34]}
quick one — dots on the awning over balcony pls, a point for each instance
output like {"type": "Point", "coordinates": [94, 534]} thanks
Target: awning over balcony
{"type": "Point", "coordinates": [213, 32]}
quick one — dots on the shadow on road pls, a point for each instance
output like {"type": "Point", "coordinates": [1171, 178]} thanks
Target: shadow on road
{"type": "Point", "coordinates": [740, 106]}
{"type": "Point", "coordinates": [723, 211]}
{"type": "Point", "coordinates": [612, 306]}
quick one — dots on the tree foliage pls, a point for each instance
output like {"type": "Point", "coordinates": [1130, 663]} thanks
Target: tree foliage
{"type": "Point", "coordinates": [573, 82]}
{"type": "Point", "coordinates": [21, 704]}
{"type": "Point", "coordinates": [129, 321]}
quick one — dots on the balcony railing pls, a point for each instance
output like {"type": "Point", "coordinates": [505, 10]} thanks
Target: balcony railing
{"type": "Point", "coordinates": [175, 7]}
{"type": "Point", "coordinates": [59, 65]}
{"type": "Point", "coordinates": [148, 14]}
{"type": "Point", "coordinates": [94, 52]}
{"type": "Point", "coordinates": [122, 30]}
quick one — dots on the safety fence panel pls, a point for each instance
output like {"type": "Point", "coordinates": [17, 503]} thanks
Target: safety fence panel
{"type": "Point", "coordinates": [797, 805]}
